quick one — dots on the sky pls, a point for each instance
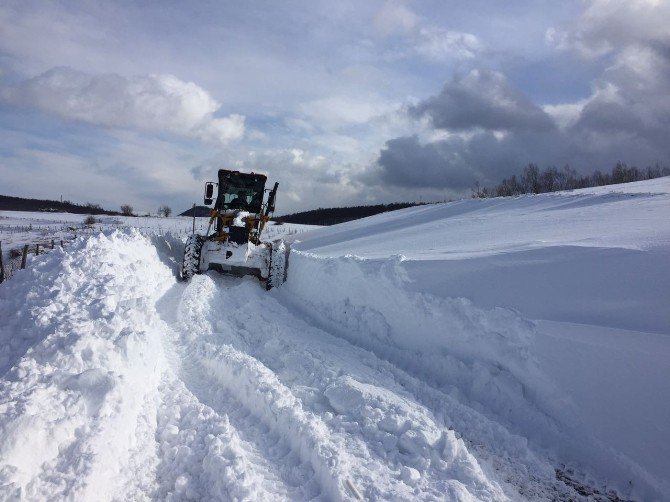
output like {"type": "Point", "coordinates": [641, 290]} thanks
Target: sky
{"type": "Point", "coordinates": [342, 103]}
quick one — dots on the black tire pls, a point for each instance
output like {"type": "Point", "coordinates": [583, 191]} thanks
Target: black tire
{"type": "Point", "coordinates": [278, 265]}
{"type": "Point", "coordinates": [191, 263]}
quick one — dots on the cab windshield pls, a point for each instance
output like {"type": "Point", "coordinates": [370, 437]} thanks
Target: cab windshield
{"type": "Point", "coordinates": [240, 191]}
{"type": "Point", "coordinates": [245, 199]}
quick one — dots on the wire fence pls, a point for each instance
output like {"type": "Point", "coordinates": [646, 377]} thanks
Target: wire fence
{"type": "Point", "coordinates": [17, 258]}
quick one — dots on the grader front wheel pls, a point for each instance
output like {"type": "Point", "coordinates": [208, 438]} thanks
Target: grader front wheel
{"type": "Point", "coordinates": [191, 263]}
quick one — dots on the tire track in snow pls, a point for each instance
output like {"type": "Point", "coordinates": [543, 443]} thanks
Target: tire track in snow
{"type": "Point", "coordinates": [394, 446]}
{"type": "Point", "coordinates": [278, 471]}
{"type": "Point", "coordinates": [202, 456]}
{"type": "Point", "coordinates": [255, 462]}
{"type": "Point", "coordinates": [260, 392]}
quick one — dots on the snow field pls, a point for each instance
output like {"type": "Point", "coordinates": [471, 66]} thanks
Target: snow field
{"type": "Point", "coordinates": [587, 266]}
{"type": "Point", "coordinates": [408, 371]}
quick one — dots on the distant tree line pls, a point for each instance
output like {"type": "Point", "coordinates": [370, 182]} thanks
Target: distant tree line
{"type": "Point", "coordinates": [8, 203]}
{"type": "Point", "coordinates": [335, 215]}
{"type": "Point", "coordinates": [552, 179]}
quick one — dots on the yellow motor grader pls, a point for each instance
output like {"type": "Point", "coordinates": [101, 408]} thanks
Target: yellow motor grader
{"type": "Point", "coordinates": [232, 244]}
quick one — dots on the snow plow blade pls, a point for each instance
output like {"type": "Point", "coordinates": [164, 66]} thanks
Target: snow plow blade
{"type": "Point", "coordinates": [267, 262]}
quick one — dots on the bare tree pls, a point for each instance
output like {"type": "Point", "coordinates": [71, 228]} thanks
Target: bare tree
{"type": "Point", "coordinates": [127, 210]}
{"type": "Point", "coordinates": [530, 178]}
{"type": "Point", "coordinates": [164, 211]}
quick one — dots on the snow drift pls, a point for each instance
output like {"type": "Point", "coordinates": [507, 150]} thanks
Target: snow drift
{"type": "Point", "coordinates": [586, 266]}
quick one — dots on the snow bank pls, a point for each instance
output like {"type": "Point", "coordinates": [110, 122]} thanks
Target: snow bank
{"type": "Point", "coordinates": [480, 356]}
{"type": "Point", "coordinates": [593, 256]}
{"type": "Point", "coordinates": [591, 261]}
{"type": "Point", "coordinates": [80, 365]}
{"type": "Point", "coordinates": [484, 354]}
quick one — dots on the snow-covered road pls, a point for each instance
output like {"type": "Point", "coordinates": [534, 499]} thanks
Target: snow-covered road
{"type": "Point", "coordinates": [137, 386]}
{"type": "Point", "coordinates": [344, 416]}
{"type": "Point", "coordinates": [119, 382]}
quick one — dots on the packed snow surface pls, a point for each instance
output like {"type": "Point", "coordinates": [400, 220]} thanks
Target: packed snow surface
{"type": "Point", "coordinates": [513, 348]}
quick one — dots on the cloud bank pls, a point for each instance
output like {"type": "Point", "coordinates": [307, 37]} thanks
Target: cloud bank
{"type": "Point", "coordinates": [149, 102]}
{"type": "Point", "coordinates": [483, 99]}
{"type": "Point", "coordinates": [484, 128]}
{"type": "Point", "coordinates": [343, 102]}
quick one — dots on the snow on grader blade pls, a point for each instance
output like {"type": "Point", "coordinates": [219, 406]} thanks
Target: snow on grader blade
{"type": "Point", "coordinates": [232, 244]}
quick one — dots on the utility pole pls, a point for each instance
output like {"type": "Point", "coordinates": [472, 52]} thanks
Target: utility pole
{"type": "Point", "coordinates": [2, 268]}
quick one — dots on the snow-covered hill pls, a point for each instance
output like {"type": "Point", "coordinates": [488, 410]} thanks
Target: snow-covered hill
{"type": "Point", "coordinates": [497, 349]}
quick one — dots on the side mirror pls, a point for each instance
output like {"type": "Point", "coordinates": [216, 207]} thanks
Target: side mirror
{"type": "Point", "coordinates": [209, 193]}
{"type": "Point", "coordinates": [271, 199]}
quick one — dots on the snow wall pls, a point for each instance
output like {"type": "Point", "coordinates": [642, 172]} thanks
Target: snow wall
{"type": "Point", "coordinates": [480, 357]}
{"type": "Point", "coordinates": [82, 356]}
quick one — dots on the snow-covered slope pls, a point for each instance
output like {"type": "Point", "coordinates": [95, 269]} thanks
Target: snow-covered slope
{"type": "Point", "coordinates": [590, 266]}
{"type": "Point", "coordinates": [492, 350]}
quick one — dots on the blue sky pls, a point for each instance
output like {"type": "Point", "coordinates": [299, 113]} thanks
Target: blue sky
{"type": "Point", "coordinates": [341, 102]}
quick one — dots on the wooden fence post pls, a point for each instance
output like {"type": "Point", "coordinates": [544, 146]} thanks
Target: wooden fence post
{"type": "Point", "coordinates": [61, 244]}
{"type": "Point", "coordinates": [2, 268]}
{"type": "Point", "coordinates": [52, 243]}
{"type": "Point", "coordinates": [24, 256]}
{"type": "Point", "coordinates": [37, 249]}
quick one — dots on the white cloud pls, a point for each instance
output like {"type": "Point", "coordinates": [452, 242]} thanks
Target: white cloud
{"type": "Point", "coordinates": [607, 25]}
{"type": "Point", "coordinates": [440, 44]}
{"type": "Point", "coordinates": [565, 114]}
{"type": "Point", "coordinates": [336, 111]}
{"type": "Point", "coordinates": [148, 102]}
{"type": "Point", "coordinates": [230, 128]}
{"type": "Point", "coordinates": [421, 37]}
{"type": "Point", "coordinates": [304, 159]}
{"type": "Point", "coordinates": [395, 18]}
